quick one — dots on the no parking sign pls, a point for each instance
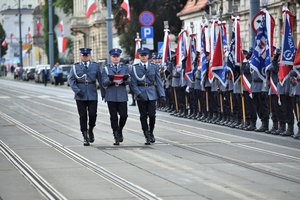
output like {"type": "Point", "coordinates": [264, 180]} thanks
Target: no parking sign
{"type": "Point", "coordinates": [146, 18]}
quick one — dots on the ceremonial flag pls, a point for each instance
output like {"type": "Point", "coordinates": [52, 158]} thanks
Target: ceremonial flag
{"type": "Point", "coordinates": [38, 27]}
{"type": "Point", "coordinates": [191, 56]}
{"type": "Point", "coordinates": [137, 46]}
{"type": "Point", "coordinates": [125, 6]}
{"type": "Point", "coordinates": [261, 57]}
{"type": "Point", "coordinates": [181, 50]}
{"type": "Point", "coordinates": [202, 63]}
{"type": "Point", "coordinates": [297, 59]}
{"type": "Point", "coordinates": [166, 48]}
{"type": "Point", "coordinates": [288, 47]}
{"type": "Point", "coordinates": [90, 8]}
{"type": "Point", "coordinates": [218, 67]}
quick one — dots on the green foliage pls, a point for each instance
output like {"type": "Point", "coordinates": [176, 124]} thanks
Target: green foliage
{"type": "Point", "coordinates": [46, 30]}
{"type": "Point", "coordinates": [2, 38]}
{"type": "Point", "coordinates": [164, 10]}
{"type": "Point", "coordinates": [66, 5]}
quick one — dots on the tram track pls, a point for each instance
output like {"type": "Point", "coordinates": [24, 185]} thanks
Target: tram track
{"type": "Point", "coordinates": [135, 190]}
{"type": "Point", "coordinates": [30, 174]}
{"type": "Point", "coordinates": [221, 157]}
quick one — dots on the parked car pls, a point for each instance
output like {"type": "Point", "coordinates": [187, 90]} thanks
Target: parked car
{"type": "Point", "coordinates": [39, 73]}
{"type": "Point", "coordinates": [28, 73]}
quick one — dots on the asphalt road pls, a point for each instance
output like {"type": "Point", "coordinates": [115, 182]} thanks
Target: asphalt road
{"type": "Point", "coordinates": [42, 156]}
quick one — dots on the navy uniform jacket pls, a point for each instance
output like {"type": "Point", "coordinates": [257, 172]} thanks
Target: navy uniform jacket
{"type": "Point", "coordinates": [81, 79]}
{"type": "Point", "coordinates": [115, 92]}
{"type": "Point", "coordinates": [146, 82]}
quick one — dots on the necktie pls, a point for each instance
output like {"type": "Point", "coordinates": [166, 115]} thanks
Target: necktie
{"type": "Point", "coordinates": [85, 65]}
{"type": "Point", "coordinates": [145, 67]}
{"type": "Point", "coordinates": [116, 67]}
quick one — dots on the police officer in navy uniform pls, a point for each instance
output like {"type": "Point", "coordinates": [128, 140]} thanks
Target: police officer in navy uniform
{"type": "Point", "coordinates": [82, 80]}
{"type": "Point", "coordinates": [115, 77]}
{"type": "Point", "coordinates": [147, 86]}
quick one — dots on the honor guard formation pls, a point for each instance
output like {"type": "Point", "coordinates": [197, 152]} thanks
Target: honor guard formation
{"type": "Point", "coordinates": [166, 88]}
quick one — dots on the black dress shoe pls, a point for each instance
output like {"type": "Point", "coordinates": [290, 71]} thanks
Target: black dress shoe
{"type": "Point", "coordinates": [91, 136]}
{"type": "Point", "coordinates": [85, 139]}
{"type": "Point", "coordinates": [152, 138]}
{"type": "Point", "coordinates": [116, 137]}
{"type": "Point", "coordinates": [120, 136]}
{"type": "Point", "coordinates": [147, 137]}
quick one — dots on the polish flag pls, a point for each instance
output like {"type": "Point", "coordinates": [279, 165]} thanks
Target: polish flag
{"type": "Point", "coordinates": [4, 43]}
{"type": "Point", "coordinates": [125, 6]}
{"type": "Point", "coordinates": [61, 27]}
{"type": "Point", "coordinates": [62, 44]}
{"type": "Point", "coordinates": [90, 8]}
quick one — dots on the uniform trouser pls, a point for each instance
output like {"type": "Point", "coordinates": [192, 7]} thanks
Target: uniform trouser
{"type": "Point", "coordinates": [249, 108]}
{"type": "Point", "coordinates": [180, 91]}
{"type": "Point", "coordinates": [199, 98]}
{"type": "Point", "coordinates": [147, 109]}
{"type": "Point", "coordinates": [226, 102]}
{"type": "Point", "coordinates": [193, 101]}
{"type": "Point", "coordinates": [297, 108]}
{"type": "Point", "coordinates": [209, 101]}
{"type": "Point", "coordinates": [116, 108]}
{"type": "Point", "coordinates": [261, 103]}
{"type": "Point", "coordinates": [237, 107]}
{"type": "Point", "coordinates": [87, 110]}
{"type": "Point", "coordinates": [286, 110]}
{"type": "Point", "coordinates": [274, 108]}
{"type": "Point", "coordinates": [56, 80]}
{"type": "Point", "coordinates": [169, 97]}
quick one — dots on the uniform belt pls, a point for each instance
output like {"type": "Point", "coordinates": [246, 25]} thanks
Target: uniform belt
{"type": "Point", "coordinates": [86, 82]}
{"type": "Point", "coordinates": [145, 84]}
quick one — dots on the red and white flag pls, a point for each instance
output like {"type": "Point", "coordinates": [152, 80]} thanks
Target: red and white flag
{"type": "Point", "coordinates": [125, 6]}
{"type": "Point", "coordinates": [61, 27]}
{"type": "Point", "coordinates": [218, 59]}
{"type": "Point", "coordinates": [38, 27]}
{"type": "Point", "coordinates": [137, 46]}
{"type": "Point", "coordinates": [297, 58]}
{"type": "Point", "coordinates": [62, 44]}
{"type": "Point", "coordinates": [166, 48]}
{"type": "Point", "coordinates": [238, 56]}
{"type": "Point", "coordinates": [4, 43]}
{"type": "Point", "coordinates": [90, 8]}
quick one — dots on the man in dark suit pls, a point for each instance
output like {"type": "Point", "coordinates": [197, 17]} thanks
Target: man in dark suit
{"type": "Point", "coordinates": [82, 79]}
{"type": "Point", "coordinates": [147, 86]}
{"type": "Point", "coordinates": [115, 77]}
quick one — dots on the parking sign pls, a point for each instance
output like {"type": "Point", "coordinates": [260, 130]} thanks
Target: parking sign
{"type": "Point", "coordinates": [147, 32]}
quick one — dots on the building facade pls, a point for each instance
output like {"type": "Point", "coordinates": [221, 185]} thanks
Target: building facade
{"type": "Point", "coordinates": [196, 10]}
{"type": "Point", "coordinates": [89, 32]}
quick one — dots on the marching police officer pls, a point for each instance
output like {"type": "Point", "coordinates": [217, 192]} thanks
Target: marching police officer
{"type": "Point", "coordinates": [147, 85]}
{"type": "Point", "coordinates": [115, 77]}
{"type": "Point", "coordinates": [82, 79]}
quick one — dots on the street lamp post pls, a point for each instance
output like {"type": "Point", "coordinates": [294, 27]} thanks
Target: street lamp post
{"type": "Point", "coordinates": [20, 33]}
{"type": "Point", "coordinates": [109, 20]}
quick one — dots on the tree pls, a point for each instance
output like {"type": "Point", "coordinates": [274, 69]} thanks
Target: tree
{"type": "Point", "coordinates": [46, 30]}
{"type": "Point", "coordinates": [65, 5]}
{"type": "Point", "coordinates": [2, 38]}
{"type": "Point", "coordinates": [164, 10]}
